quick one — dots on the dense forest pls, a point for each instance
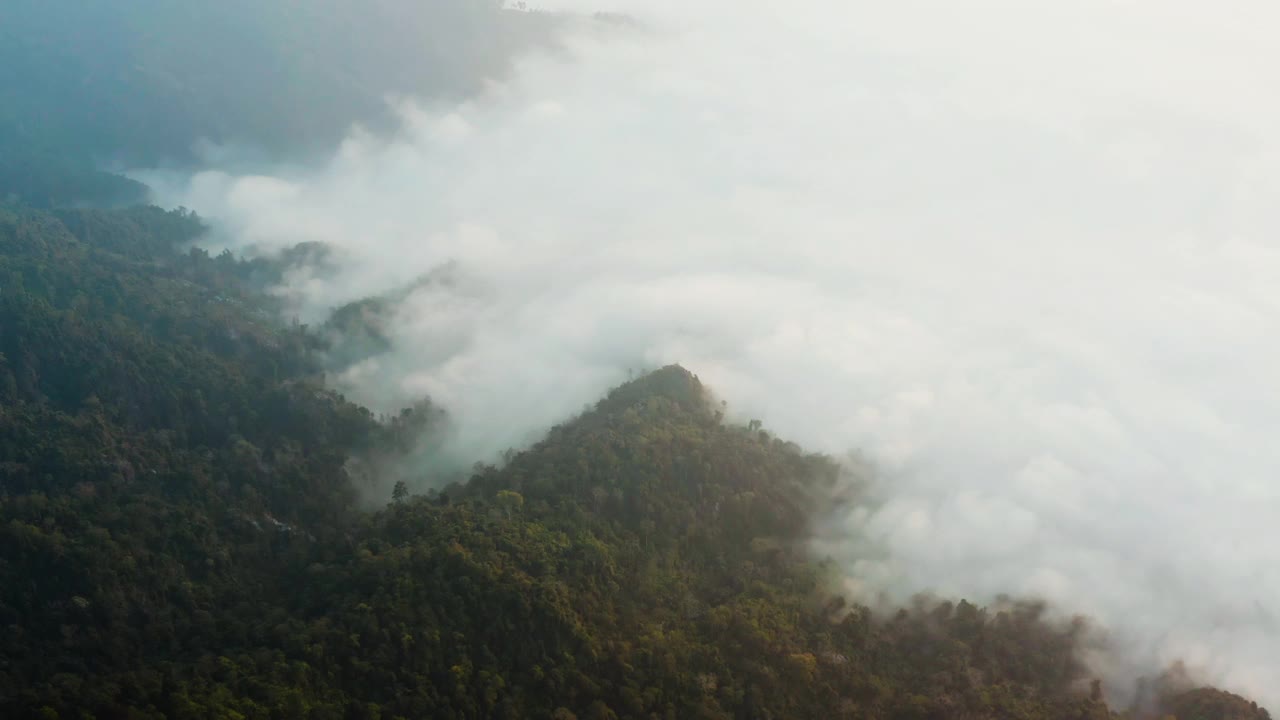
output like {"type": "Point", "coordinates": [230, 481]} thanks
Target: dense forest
{"type": "Point", "coordinates": [181, 535]}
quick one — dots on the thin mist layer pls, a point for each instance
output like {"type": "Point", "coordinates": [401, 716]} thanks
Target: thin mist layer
{"type": "Point", "coordinates": [1019, 255]}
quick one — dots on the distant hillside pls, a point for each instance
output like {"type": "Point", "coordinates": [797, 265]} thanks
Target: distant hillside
{"type": "Point", "coordinates": [92, 84]}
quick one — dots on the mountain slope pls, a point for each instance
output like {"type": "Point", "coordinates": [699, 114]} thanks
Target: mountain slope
{"type": "Point", "coordinates": [179, 538]}
{"type": "Point", "coordinates": [88, 84]}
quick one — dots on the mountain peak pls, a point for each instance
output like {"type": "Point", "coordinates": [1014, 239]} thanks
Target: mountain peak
{"type": "Point", "coordinates": [672, 382]}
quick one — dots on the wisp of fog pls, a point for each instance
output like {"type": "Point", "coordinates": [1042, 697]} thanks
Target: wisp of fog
{"type": "Point", "coordinates": [1020, 255]}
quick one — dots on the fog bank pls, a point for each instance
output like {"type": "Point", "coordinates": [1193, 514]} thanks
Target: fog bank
{"type": "Point", "coordinates": [1020, 255]}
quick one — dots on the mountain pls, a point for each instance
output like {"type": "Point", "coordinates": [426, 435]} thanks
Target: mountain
{"type": "Point", "coordinates": [1211, 704]}
{"type": "Point", "coordinates": [90, 86]}
{"type": "Point", "coordinates": [180, 535]}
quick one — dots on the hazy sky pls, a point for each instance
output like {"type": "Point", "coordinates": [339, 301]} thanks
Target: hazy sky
{"type": "Point", "coordinates": [1021, 255]}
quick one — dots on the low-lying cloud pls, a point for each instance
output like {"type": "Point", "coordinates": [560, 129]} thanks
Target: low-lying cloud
{"type": "Point", "coordinates": [1020, 255]}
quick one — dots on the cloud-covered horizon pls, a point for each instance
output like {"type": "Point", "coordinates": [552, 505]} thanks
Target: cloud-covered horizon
{"type": "Point", "coordinates": [1022, 256]}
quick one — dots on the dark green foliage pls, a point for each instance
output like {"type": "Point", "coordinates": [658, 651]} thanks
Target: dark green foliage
{"type": "Point", "coordinates": [178, 538]}
{"type": "Point", "coordinates": [50, 179]}
{"type": "Point", "coordinates": [1210, 704]}
{"type": "Point", "coordinates": [160, 439]}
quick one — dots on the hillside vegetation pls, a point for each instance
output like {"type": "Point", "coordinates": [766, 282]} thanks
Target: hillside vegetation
{"type": "Point", "coordinates": [179, 536]}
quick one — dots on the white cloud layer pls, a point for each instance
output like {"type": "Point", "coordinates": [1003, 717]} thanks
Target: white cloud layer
{"type": "Point", "coordinates": [1023, 255]}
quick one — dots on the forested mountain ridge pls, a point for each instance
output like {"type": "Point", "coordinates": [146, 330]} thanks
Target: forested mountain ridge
{"type": "Point", "coordinates": [179, 538]}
